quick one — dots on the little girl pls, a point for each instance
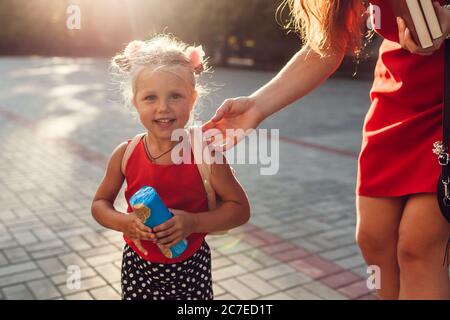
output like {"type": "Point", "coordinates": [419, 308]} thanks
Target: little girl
{"type": "Point", "coordinates": [160, 80]}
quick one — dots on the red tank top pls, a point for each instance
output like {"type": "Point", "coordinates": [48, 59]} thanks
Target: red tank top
{"type": "Point", "coordinates": [180, 187]}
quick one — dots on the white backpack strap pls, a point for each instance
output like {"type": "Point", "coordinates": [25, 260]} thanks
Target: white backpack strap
{"type": "Point", "coordinates": [203, 161]}
{"type": "Point", "coordinates": [129, 150]}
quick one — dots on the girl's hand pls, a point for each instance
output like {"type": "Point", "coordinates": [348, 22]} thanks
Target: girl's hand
{"type": "Point", "coordinates": [236, 113]}
{"type": "Point", "coordinates": [175, 229]}
{"type": "Point", "coordinates": [136, 231]}
{"type": "Point", "coordinates": [409, 44]}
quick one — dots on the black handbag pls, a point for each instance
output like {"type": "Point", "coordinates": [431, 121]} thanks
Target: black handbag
{"type": "Point", "coordinates": [441, 147]}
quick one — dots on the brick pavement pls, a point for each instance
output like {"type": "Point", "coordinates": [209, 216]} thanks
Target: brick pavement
{"type": "Point", "coordinates": [59, 121]}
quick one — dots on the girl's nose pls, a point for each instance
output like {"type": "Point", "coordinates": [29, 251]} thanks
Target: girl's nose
{"type": "Point", "coordinates": [163, 106]}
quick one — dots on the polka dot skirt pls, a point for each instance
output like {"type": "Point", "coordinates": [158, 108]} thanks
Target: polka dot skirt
{"type": "Point", "coordinates": [185, 280]}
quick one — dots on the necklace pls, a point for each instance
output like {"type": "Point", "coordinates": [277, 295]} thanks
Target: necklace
{"type": "Point", "coordinates": [153, 159]}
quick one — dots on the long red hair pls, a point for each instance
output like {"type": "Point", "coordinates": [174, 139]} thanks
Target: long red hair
{"type": "Point", "coordinates": [328, 24]}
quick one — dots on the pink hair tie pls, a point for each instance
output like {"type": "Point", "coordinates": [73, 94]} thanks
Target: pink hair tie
{"type": "Point", "coordinates": [133, 48]}
{"type": "Point", "coordinates": [196, 55]}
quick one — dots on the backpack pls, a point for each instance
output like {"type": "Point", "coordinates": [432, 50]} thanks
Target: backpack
{"type": "Point", "coordinates": [201, 159]}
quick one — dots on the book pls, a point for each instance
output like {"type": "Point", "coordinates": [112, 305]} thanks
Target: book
{"type": "Point", "coordinates": [432, 19]}
{"type": "Point", "coordinates": [420, 18]}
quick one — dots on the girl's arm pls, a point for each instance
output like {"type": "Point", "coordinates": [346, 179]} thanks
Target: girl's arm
{"type": "Point", "coordinates": [234, 210]}
{"type": "Point", "coordinates": [103, 204]}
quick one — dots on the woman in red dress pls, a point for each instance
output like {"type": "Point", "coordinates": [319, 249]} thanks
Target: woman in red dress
{"type": "Point", "coordinates": [399, 226]}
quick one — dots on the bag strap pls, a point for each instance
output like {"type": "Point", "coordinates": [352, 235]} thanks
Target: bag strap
{"type": "Point", "coordinates": [446, 112]}
{"type": "Point", "coordinates": [446, 124]}
{"type": "Point", "coordinates": [203, 161]}
{"type": "Point", "coordinates": [129, 150]}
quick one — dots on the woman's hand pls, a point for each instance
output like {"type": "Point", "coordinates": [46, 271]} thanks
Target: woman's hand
{"type": "Point", "coordinates": [409, 44]}
{"type": "Point", "coordinates": [136, 230]}
{"type": "Point", "coordinates": [237, 113]}
{"type": "Point", "coordinates": [175, 229]}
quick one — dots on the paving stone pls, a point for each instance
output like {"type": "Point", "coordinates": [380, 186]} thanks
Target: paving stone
{"type": "Point", "coordinates": [351, 262]}
{"type": "Point", "coordinates": [103, 259]}
{"type": "Point", "coordinates": [238, 289]}
{"type": "Point", "coordinates": [290, 280]}
{"type": "Point", "coordinates": [341, 279]}
{"type": "Point", "coordinates": [3, 260]}
{"type": "Point", "coordinates": [50, 252]}
{"type": "Point", "coordinates": [257, 284]}
{"type": "Point", "coordinates": [300, 293]}
{"type": "Point", "coordinates": [221, 262]}
{"type": "Point", "coordinates": [18, 267]}
{"type": "Point", "coordinates": [217, 289]}
{"type": "Point", "coordinates": [356, 290]}
{"type": "Point", "coordinates": [109, 272]}
{"type": "Point", "coordinates": [275, 271]}
{"type": "Point", "coordinates": [17, 254]}
{"type": "Point", "coordinates": [277, 296]}
{"type": "Point", "coordinates": [86, 284]}
{"type": "Point", "coordinates": [228, 272]}
{"type": "Point", "coordinates": [79, 296]}
{"type": "Point", "coordinates": [51, 266]}
{"type": "Point", "coordinates": [17, 292]}
{"type": "Point", "coordinates": [44, 234]}
{"type": "Point", "coordinates": [323, 291]}
{"type": "Point", "coordinates": [61, 278]}
{"type": "Point", "coordinates": [105, 293]}
{"type": "Point", "coordinates": [77, 243]}
{"type": "Point", "coordinates": [25, 238]}
{"type": "Point", "coordinates": [43, 289]}
{"type": "Point", "coordinates": [72, 259]}
{"type": "Point", "coordinates": [225, 296]}
{"type": "Point", "coordinates": [246, 261]}
{"type": "Point", "coordinates": [95, 240]}
{"type": "Point", "coordinates": [21, 277]}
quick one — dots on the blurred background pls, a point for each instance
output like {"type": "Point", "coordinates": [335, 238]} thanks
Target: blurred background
{"type": "Point", "coordinates": [245, 33]}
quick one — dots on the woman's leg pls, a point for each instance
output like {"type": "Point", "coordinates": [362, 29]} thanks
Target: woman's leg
{"type": "Point", "coordinates": [423, 237]}
{"type": "Point", "coordinates": [378, 220]}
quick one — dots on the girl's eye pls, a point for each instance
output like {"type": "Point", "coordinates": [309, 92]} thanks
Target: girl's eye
{"type": "Point", "coordinates": [150, 98]}
{"type": "Point", "coordinates": [176, 96]}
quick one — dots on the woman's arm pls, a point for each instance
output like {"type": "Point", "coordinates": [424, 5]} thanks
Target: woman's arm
{"type": "Point", "coordinates": [302, 74]}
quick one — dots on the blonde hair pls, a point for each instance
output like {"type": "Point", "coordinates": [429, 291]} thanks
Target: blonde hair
{"type": "Point", "coordinates": [161, 52]}
{"type": "Point", "coordinates": [327, 24]}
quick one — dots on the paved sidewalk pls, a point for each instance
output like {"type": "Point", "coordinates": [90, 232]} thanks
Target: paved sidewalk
{"type": "Point", "coordinates": [61, 118]}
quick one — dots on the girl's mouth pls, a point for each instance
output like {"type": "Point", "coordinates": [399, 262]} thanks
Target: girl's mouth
{"type": "Point", "coordinates": [164, 123]}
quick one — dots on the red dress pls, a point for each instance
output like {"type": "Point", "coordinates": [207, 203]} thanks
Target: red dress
{"type": "Point", "coordinates": [179, 186]}
{"type": "Point", "coordinates": [404, 119]}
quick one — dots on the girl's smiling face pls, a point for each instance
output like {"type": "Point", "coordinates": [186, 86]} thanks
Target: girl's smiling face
{"type": "Point", "coordinates": [164, 101]}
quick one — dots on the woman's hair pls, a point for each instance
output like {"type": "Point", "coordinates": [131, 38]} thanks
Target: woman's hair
{"type": "Point", "coordinates": [161, 52]}
{"type": "Point", "coordinates": [327, 24]}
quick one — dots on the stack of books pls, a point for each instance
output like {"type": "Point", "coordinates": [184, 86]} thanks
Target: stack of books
{"type": "Point", "coordinates": [421, 18]}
